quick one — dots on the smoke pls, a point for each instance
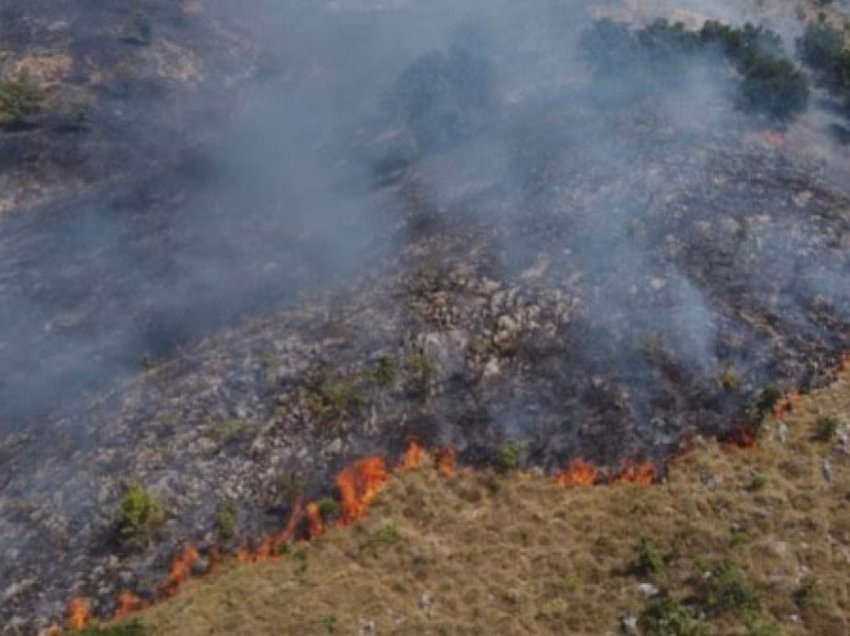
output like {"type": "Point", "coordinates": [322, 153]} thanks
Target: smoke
{"type": "Point", "coordinates": [284, 196]}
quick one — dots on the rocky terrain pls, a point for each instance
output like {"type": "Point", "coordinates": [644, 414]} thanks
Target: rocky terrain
{"type": "Point", "coordinates": [213, 287]}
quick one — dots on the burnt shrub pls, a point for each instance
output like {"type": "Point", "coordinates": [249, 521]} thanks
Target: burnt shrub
{"type": "Point", "coordinates": [445, 97]}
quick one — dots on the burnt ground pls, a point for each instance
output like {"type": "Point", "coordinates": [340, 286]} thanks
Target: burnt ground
{"type": "Point", "coordinates": [580, 282]}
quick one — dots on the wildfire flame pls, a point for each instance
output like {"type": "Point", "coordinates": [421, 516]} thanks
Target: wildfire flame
{"type": "Point", "coordinates": [269, 546]}
{"type": "Point", "coordinates": [77, 612]}
{"type": "Point", "coordinates": [127, 603]}
{"type": "Point", "coordinates": [580, 473]}
{"type": "Point", "coordinates": [181, 567]}
{"type": "Point", "coordinates": [315, 527]}
{"type": "Point", "coordinates": [632, 472]}
{"type": "Point", "coordinates": [413, 456]}
{"type": "Point", "coordinates": [445, 461]}
{"type": "Point", "coordinates": [358, 483]}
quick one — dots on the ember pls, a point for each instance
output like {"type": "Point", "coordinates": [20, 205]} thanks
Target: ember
{"type": "Point", "coordinates": [315, 527]}
{"type": "Point", "coordinates": [580, 473]}
{"type": "Point", "coordinates": [127, 603]}
{"type": "Point", "coordinates": [634, 473]}
{"type": "Point", "coordinates": [445, 460]}
{"type": "Point", "coordinates": [413, 456]}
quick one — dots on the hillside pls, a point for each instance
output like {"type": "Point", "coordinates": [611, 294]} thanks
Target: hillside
{"type": "Point", "coordinates": [242, 250]}
{"type": "Point", "coordinates": [517, 554]}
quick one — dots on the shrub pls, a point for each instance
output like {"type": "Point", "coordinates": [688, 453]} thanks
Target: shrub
{"type": "Point", "coordinates": [445, 97]}
{"type": "Point", "coordinates": [507, 457]}
{"type": "Point", "coordinates": [820, 46]}
{"type": "Point", "coordinates": [666, 616]}
{"type": "Point", "coordinates": [769, 85]}
{"type": "Point", "coordinates": [385, 372]}
{"type": "Point", "coordinates": [139, 513]}
{"type": "Point", "coordinates": [225, 521]}
{"type": "Point", "coordinates": [138, 28]}
{"type": "Point", "coordinates": [728, 589]}
{"type": "Point", "coordinates": [762, 405]}
{"type": "Point", "coordinates": [328, 509]}
{"type": "Point", "coordinates": [336, 397]}
{"type": "Point", "coordinates": [649, 558]}
{"type": "Point", "coordinates": [826, 429]}
{"type": "Point", "coordinates": [774, 87]}
{"type": "Point", "coordinates": [18, 100]}
{"type": "Point", "coordinates": [729, 378]}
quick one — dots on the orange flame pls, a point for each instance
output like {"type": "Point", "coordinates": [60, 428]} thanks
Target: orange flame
{"type": "Point", "coordinates": [634, 473]}
{"type": "Point", "coordinates": [127, 603]}
{"type": "Point", "coordinates": [445, 460]}
{"type": "Point", "coordinates": [181, 567]}
{"type": "Point", "coordinates": [244, 554]}
{"type": "Point", "coordinates": [315, 527]}
{"type": "Point", "coordinates": [580, 473]}
{"type": "Point", "coordinates": [412, 456]}
{"type": "Point", "coordinates": [77, 612]}
{"type": "Point", "coordinates": [358, 483]}
{"type": "Point", "coordinates": [269, 546]}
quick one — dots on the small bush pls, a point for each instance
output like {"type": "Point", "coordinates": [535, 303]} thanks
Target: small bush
{"type": "Point", "coordinates": [820, 46]}
{"type": "Point", "coordinates": [728, 589]}
{"type": "Point", "coordinates": [335, 398]}
{"type": "Point", "coordinates": [139, 513]}
{"type": "Point", "coordinates": [666, 616]}
{"type": "Point", "coordinates": [775, 88]}
{"type": "Point", "coordinates": [729, 378]}
{"type": "Point", "coordinates": [507, 457]}
{"type": "Point", "coordinates": [445, 97]}
{"type": "Point", "coordinates": [328, 509]}
{"type": "Point", "coordinates": [385, 372]}
{"type": "Point", "coordinates": [826, 428]}
{"type": "Point", "coordinates": [762, 405]}
{"type": "Point", "coordinates": [649, 558]}
{"type": "Point", "coordinates": [138, 28]}
{"type": "Point", "coordinates": [18, 100]}
{"type": "Point", "coordinates": [225, 521]}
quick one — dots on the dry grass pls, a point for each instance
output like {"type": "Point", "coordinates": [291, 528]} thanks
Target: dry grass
{"type": "Point", "coordinates": [480, 553]}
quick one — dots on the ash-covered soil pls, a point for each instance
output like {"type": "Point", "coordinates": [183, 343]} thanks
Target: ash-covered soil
{"type": "Point", "coordinates": [253, 307]}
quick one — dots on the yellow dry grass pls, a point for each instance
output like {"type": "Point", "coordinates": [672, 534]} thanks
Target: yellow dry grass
{"type": "Point", "coordinates": [479, 553]}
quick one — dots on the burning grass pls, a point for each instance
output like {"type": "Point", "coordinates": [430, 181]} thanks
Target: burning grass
{"type": "Point", "coordinates": [521, 555]}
